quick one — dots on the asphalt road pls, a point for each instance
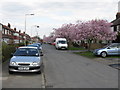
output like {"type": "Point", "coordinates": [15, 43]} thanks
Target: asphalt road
{"type": "Point", "coordinates": [63, 69]}
{"type": "Point", "coordinates": [67, 70]}
{"type": "Point", "coordinates": [20, 80]}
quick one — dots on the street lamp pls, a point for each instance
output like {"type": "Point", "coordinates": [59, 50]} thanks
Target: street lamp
{"type": "Point", "coordinates": [25, 27]}
{"type": "Point", "coordinates": [37, 32]}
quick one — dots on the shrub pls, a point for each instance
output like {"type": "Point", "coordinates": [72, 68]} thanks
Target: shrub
{"type": "Point", "coordinates": [21, 44]}
{"type": "Point", "coordinates": [7, 50]}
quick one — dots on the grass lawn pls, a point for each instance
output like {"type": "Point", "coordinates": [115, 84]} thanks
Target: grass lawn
{"type": "Point", "coordinates": [76, 48]}
{"type": "Point", "coordinates": [89, 54]}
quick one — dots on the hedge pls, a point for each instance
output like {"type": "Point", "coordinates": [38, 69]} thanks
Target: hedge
{"type": "Point", "coordinates": [7, 50]}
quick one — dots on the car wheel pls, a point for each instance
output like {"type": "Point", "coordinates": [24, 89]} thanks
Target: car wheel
{"type": "Point", "coordinates": [103, 54]}
{"type": "Point", "coordinates": [10, 72]}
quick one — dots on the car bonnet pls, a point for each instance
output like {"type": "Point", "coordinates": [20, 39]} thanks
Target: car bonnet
{"type": "Point", "coordinates": [25, 59]}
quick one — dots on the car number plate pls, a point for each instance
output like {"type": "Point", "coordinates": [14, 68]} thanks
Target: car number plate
{"type": "Point", "coordinates": [23, 68]}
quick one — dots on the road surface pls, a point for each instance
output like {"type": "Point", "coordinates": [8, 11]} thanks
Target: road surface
{"type": "Point", "coordinates": [67, 70]}
{"type": "Point", "coordinates": [63, 69]}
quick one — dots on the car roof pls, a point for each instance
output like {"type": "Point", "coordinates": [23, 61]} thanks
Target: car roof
{"type": "Point", "coordinates": [33, 45]}
{"type": "Point", "coordinates": [28, 47]}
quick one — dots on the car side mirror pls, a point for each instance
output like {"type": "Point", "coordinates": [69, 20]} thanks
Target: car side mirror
{"type": "Point", "coordinates": [108, 48]}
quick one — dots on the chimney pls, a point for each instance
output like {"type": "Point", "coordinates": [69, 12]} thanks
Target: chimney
{"type": "Point", "coordinates": [9, 25]}
{"type": "Point", "coordinates": [118, 15]}
{"type": "Point", "coordinates": [15, 29]}
{"type": "Point", "coordinates": [19, 31]}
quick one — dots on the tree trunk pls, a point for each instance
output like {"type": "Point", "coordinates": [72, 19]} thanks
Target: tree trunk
{"type": "Point", "coordinates": [69, 44]}
{"type": "Point", "coordinates": [89, 45]}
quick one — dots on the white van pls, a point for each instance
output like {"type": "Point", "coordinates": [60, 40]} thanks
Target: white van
{"type": "Point", "coordinates": [61, 43]}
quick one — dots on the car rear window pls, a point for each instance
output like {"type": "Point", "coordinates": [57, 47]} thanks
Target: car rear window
{"type": "Point", "coordinates": [26, 52]}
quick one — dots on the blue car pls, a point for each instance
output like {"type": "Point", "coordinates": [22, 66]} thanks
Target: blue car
{"type": "Point", "coordinates": [112, 49]}
{"type": "Point", "coordinates": [36, 45]}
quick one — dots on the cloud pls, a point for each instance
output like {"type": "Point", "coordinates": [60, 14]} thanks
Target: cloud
{"type": "Point", "coordinates": [53, 13]}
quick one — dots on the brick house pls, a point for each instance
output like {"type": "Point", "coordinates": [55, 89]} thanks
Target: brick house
{"type": "Point", "coordinates": [7, 34]}
{"type": "Point", "coordinates": [12, 36]}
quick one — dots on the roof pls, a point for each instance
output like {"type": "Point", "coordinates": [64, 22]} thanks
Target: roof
{"type": "Point", "coordinates": [116, 22]}
{"type": "Point", "coordinates": [28, 47]}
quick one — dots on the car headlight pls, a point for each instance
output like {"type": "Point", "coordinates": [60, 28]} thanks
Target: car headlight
{"type": "Point", "coordinates": [35, 63]}
{"type": "Point", "coordinates": [41, 48]}
{"type": "Point", "coordinates": [13, 63]}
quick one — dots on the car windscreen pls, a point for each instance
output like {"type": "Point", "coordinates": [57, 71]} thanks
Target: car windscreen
{"type": "Point", "coordinates": [26, 52]}
{"type": "Point", "coordinates": [117, 45]}
{"type": "Point", "coordinates": [62, 42]}
{"type": "Point", "coordinates": [37, 44]}
{"type": "Point", "coordinates": [32, 45]}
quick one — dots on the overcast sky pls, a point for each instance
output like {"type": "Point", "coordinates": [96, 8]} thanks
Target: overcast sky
{"type": "Point", "coordinates": [51, 14]}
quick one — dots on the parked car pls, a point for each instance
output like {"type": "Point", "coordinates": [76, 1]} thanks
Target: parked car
{"type": "Point", "coordinates": [26, 59]}
{"type": "Point", "coordinates": [36, 45]}
{"type": "Point", "coordinates": [61, 43]}
{"type": "Point", "coordinates": [53, 43]}
{"type": "Point", "coordinates": [112, 49]}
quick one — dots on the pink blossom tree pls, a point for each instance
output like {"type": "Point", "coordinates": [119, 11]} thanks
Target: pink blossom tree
{"type": "Point", "coordinates": [66, 31]}
{"type": "Point", "coordinates": [96, 30]}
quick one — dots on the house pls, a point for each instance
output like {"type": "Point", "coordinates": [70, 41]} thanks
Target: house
{"type": "Point", "coordinates": [116, 23]}
{"type": "Point", "coordinates": [35, 39]}
{"type": "Point", "coordinates": [116, 26]}
{"type": "Point", "coordinates": [12, 36]}
{"type": "Point", "coordinates": [7, 34]}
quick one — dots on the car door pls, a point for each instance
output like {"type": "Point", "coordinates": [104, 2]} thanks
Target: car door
{"type": "Point", "coordinates": [112, 50]}
{"type": "Point", "coordinates": [118, 49]}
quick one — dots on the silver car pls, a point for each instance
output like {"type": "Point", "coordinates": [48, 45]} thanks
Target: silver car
{"type": "Point", "coordinates": [113, 49]}
{"type": "Point", "coordinates": [26, 59]}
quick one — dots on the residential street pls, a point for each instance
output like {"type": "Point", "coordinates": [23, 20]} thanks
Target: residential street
{"type": "Point", "coordinates": [60, 44]}
{"type": "Point", "coordinates": [67, 70]}
{"type": "Point", "coordinates": [63, 69]}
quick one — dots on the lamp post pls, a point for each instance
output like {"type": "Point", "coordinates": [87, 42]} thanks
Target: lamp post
{"type": "Point", "coordinates": [25, 28]}
{"type": "Point", "coordinates": [37, 32]}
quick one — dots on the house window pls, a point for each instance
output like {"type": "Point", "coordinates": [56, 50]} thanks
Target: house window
{"type": "Point", "coordinates": [115, 28]}
{"type": "Point", "coordinates": [9, 32]}
{"type": "Point", "coordinates": [3, 31]}
{"type": "Point", "coordinates": [112, 28]}
{"type": "Point", "coordinates": [16, 34]}
{"type": "Point", "coordinates": [118, 27]}
{"type": "Point", "coordinates": [6, 31]}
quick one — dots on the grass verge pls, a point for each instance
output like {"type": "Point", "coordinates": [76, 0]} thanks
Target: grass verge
{"type": "Point", "coordinates": [76, 48]}
{"type": "Point", "coordinates": [89, 54]}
